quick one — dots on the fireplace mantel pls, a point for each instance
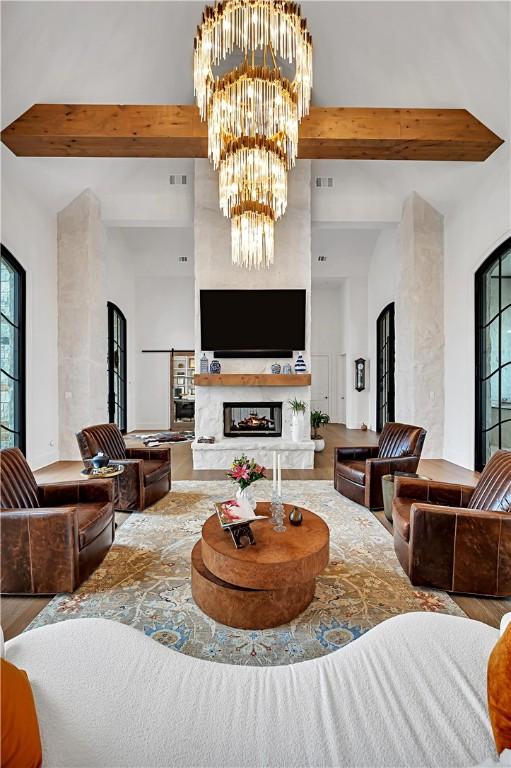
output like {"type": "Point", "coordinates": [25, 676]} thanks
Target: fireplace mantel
{"type": "Point", "coordinates": [252, 379]}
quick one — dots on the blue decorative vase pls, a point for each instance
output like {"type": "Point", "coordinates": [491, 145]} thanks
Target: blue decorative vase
{"type": "Point", "coordinates": [275, 368]}
{"type": "Point", "coordinates": [100, 460]}
{"type": "Point", "coordinates": [300, 365]}
{"type": "Point", "coordinates": [286, 368]}
{"type": "Point", "coordinates": [215, 367]}
{"type": "Point", "coordinates": [204, 363]}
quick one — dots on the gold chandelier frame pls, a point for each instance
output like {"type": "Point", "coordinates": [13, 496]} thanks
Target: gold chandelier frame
{"type": "Point", "coordinates": [253, 101]}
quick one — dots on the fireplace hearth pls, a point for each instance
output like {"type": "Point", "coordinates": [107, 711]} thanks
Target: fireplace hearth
{"type": "Point", "coordinates": [259, 419]}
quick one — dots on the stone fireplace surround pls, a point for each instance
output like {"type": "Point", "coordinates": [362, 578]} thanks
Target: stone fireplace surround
{"type": "Point", "coordinates": [214, 269]}
{"type": "Point", "coordinates": [221, 453]}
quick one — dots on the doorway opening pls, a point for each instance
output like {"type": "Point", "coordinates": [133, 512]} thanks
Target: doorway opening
{"type": "Point", "coordinates": [182, 390]}
{"type": "Point", "coordinates": [493, 354]}
{"type": "Point", "coordinates": [117, 368]}
{"type": "Point", "coordinates": [385, 364]}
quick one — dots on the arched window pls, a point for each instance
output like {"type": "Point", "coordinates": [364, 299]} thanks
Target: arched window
{"type": "Point", "coordinates": [385, 353]}
{"type": "Point", "coordinates": [117, 366]}
{"type": "Point", "coordinates": [493, 354]}
{"type": "Point", "coordinates": [12, 375]}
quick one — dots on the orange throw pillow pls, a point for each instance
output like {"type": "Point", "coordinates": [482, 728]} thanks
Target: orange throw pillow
{"type": "Point", "coordinates": [21, 742]}
{"type": "Point", "coordinates": [499, 691]}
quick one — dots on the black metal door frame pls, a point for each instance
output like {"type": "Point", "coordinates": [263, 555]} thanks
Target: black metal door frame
{"type": "Point", "coordinates": [385, 365]}
{"type": "Point", "coordinates": [481, 375]}
{"type": "Point", "coordinates": [19, 326]}
{"type": "Point", "coordinates": [113, 313]}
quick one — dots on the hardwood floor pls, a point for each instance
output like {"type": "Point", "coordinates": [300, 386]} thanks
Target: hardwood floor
{"type": "Point", "coordinates": [17, 612]}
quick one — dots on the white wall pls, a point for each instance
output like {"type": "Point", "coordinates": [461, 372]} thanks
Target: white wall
{"type": "Point", "coordinates": [120, 289]}
{"type": "Point", "coordinates": [381, 290]}
{"type": "Point", "coordinates": [29, 231]}
{"type": "Point", "coordinates": [327, 335]}
{"type": "Point", "coordinates": [472, 231]}
{"type": "Point", "coordinates": [355, 323]}
{"type": "Point", "coordinates": [165, 320]}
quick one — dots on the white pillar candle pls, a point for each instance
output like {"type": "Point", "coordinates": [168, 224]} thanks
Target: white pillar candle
{"type": "Point", "coordinates": [279, 473]}
{"type": "Point", "coordinates": [274, 477]}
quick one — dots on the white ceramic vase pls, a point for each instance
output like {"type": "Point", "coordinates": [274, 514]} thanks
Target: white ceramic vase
{"type": "Point", "coordinates": [297, 426]}
{"type": "Point", "coordinates": [319, 444]}
{"type": "Point", "coordinates": [246, 493]}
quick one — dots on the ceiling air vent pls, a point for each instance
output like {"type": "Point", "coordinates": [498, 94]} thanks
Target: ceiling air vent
{"type": "Point", "coordinates": [324, 181]}
{"type": "Point", "coordinates": [178, 179]}
{"type": "Point", "coordinates": [321, 258]}
{"type": "Point", "coordinates": [182, 258]}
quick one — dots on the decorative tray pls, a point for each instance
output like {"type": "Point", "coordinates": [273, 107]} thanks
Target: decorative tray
{"type": "Point", "coordinates": [103, 472]}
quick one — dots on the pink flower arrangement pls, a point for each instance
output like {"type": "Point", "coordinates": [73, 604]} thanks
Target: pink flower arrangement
{"type": "Point", "coordinates": [245, 471]}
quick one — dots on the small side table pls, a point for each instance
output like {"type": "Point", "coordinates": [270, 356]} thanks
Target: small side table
{"type": "Point", "coordinates": [387, 484]}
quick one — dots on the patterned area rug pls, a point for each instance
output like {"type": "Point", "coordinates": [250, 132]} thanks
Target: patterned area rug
{"type": "Point", "coordinates": [145, 580]}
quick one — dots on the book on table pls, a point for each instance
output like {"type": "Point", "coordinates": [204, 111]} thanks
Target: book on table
{"type": "Point", "coordinates": [236, 512]}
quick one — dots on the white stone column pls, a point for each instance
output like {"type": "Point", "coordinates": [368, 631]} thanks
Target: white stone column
{"type": "Point", "coordinates": [420, 322]}
{"type": "Point", "coordinates": [82, 320]}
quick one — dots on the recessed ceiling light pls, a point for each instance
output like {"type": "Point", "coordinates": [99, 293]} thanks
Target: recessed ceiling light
{"type": "Point", "coordinates": [182, 258]}
{"type": "Point", "coordinates": [178, 179]}
{"type": "Point", "coordinates": [321, 258]}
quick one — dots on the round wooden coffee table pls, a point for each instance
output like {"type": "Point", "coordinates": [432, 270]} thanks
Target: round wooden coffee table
{"type": "Point", "coordinates": [263, 585]}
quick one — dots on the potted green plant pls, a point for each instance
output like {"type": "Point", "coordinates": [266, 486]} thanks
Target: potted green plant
{"type": "Point", "coordinates": [298, 408]}
{"type": "Point", "coordinates": [317, 419]}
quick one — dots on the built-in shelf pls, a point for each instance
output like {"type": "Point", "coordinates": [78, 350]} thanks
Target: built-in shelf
{"type": "Point", "coordinates": [252, 379]}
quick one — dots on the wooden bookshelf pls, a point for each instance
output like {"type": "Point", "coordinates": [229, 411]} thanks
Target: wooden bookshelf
{"type": "Point", "coordinates": [252, 379]}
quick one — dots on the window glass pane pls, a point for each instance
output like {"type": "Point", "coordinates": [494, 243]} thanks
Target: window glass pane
{"type": "Point", "coordinates": [505, 341]}
{"type": "Point", "coordinates": [7, 410]}
{"type": "Point", "coordinates": [492, 304]}
{"type": "Point", "coordinates": [7, 356]}
{"type": "Point", "coordinates": [505, 285]}
{"type": "Point", "coordinates": [491, 442]}
{"type": "Point", "coordinates": [490, 349]}
{"type": "Point", "coordinates": [505, 390]}
{"type": "Point", "coordinates": [490, 396]}
{"type": "Point", "coordinates": [505, 430]}
{"type": "Point", "coordinates": [7, 276]}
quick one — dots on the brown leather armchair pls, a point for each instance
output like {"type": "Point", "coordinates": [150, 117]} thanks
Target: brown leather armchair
{"type": "Point", "coordinates": [455, 537]}
{"type": "Point", "coordinates": [54, 535]}
{"type": "Point", "coordinates": [358, 471]}
{"type": "Point", "coordinates": [146, 476]}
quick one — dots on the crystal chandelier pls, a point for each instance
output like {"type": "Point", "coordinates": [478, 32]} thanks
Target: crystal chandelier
{"type": "Point", "coordinates": [253, 112]}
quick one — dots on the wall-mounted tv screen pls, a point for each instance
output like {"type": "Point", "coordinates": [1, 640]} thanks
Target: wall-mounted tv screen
{"type": "Point", "coordinates": [253, 323]}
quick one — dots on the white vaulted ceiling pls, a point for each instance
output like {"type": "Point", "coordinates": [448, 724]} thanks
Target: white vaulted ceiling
{"type": "Point", "coordinates": [417, 54]}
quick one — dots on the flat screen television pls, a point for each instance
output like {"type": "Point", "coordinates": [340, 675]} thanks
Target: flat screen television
{"type": "Point", "coordinates": [253, 323]}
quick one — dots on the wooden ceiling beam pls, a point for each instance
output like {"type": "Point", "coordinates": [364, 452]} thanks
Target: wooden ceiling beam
{"type": "Point", "coordinates": [337, 133]}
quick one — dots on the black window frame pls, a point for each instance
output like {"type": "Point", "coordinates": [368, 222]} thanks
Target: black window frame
{"type": "Point", "coordinates": [20, 329]}
{"type": "Point", "coordinates": [113, 312]}
{"type": "Point", "coordinates": [481, 323]}
{"type": "Point", "coordinates": [385, 366]}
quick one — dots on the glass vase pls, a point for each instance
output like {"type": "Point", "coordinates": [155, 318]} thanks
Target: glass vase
{"type": "Point", "coordinates": [278, 517]}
